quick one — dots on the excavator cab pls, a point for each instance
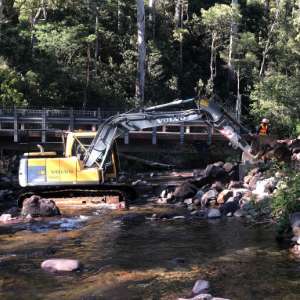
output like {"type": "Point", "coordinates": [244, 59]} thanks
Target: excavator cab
{"type": "Point", "coordinates": [46, 168]}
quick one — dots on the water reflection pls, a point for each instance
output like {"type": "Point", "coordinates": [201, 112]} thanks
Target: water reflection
{"type": "Point", "coordinates": [148, 260]}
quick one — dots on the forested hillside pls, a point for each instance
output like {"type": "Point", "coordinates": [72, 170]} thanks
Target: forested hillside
{"type": "Point", "coordinates": [85, 54]}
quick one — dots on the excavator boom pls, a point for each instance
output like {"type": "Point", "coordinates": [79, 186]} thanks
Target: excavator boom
{"type": "Point", "coordinates": [204, 110]}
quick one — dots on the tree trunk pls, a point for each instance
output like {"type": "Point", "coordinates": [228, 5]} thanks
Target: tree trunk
{"type": "Point", "coordinates": [152, 16]}
{"type": "Point", "coordinates": [177, 13]}
{"type": "Point", "coordinates": [41, 14]}
{"type": "Point", "coordinates": [96, 41]}
{"type": "Point", "coordinates": [87, 80]}
{"type": "Point", "coordinates": [2, 17]}
{"type": "Point", "coordinates": [233, 32]}
{"type": "Point", "coordinates": [119, 16]}
{"type": "Point", "coordinates": [238, 108]}
{"type": "Point", "coordinates": [212, 58]}
{"type": "Point", "coordinates": [268, 44]}
{"type": "Point", "coordinates": [140, 82]}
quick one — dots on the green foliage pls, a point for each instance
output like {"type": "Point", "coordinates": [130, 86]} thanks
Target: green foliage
{"type": "Point", "coordinates": [11, 84]}
{"type": "Point", "coordinates": [286, 199]}
{"type": "Point", "coordinates": [56, 54]}
{"type": "Point", "coordinates": [277, 97]}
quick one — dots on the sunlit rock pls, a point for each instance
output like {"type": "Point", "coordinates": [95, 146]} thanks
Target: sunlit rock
{"type": "Point", "coordinates": [37, 206]}
{"type": "Point", "coordinates": [213, 213]}
{"type": "Point", "coordinates": [60, 265]}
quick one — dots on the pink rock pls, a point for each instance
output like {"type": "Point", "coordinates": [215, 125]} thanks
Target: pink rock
{"type": "Point", "coordinates": [60, 265]}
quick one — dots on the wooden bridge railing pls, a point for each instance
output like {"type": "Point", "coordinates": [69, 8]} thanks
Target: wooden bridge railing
{"type": "Point", "coordinates": [18, 122]}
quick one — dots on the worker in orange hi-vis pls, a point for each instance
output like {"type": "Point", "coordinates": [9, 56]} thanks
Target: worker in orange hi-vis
{"type": "Point", "coordinates": [262, 136]}
{"type": "Point", "coordinates": [264, 127]}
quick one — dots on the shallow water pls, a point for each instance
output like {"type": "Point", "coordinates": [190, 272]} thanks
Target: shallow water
{"type": "Point", "coordinates": [149, 260]}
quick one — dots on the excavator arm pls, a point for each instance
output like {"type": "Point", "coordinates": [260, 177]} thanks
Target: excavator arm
{"type": "Point", "coordinates": [151, 117]}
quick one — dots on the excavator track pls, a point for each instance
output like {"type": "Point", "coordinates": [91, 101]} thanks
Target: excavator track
{"type": "Point", "coordinates": [91, 195]}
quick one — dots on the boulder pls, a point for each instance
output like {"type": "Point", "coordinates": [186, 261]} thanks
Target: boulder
{"type": "Point", "coordinates": [133, 218]}
{"type": "Point", "coordinates": [295, 223]}
{"type": "Point", "coordinates": [4, 218]}
{"type": "Point", "coordinates": [215, 172]}
{"type": "Point", "coordinates": [209, 196]}
{"type": "Point", "coordinates": [295, 250]}
{"type": "Point", "coordinates": [247, 179]}
{"type": "Point", "coordinates": [213, 213]}
{"type": "Point", "coordinates": [235, 184]}
{"type": "Point", "coordinates": [200, 286]}
{"type": "Point", "coordinates": [242, 191]}
{"type": "Point", "coordinates": [294, 144]}
{"type": "Point", "coordinates": [253, 181]}
{"type": "Point", "coordinates": [229, 207]}
{"type": "Point", "coordinates": [199, 297]}
{"type": "Point", "coordinates": [239, 213]}
{"type": "Point", "coordinates": [228, 167]}
{"type": "Point", "coordinates": [188, 201]}
{"type": "Point", "coordinates": [39, 207]}
{"type": "Point", "coordinates": [219, 164]}
{"type": "Point", "coordinates": [224, 196]}
{"type": "Point", "coordinates": [164, 194]}
{"type": "Point", "coordinates": [199, 195]}
{"type": "Point", "coordinates": [60, 265]}
{"type": "Point", "coordinates": [198, 172]}
{"type": "Point", "coordinates": [185, 190]}
{"type": "Point", "coordinates": [282, 152]}
{"type": "Point", "coordinates": [296, 150]}
{"type": "Point", "coordinates": [13, 211]}
{"type": "Point", "coordinates": [218, 186]}
{"type": "Point", "coordinates": [254, 171]}
{"type": "Point", "coordinates": [234, 174]}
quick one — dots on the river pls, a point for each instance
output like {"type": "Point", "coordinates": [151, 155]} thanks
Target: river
{"type": "Point", "coordinates": [145, 260]}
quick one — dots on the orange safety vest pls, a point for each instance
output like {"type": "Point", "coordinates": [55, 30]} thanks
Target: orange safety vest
{"type": "Point", "coordinates": [263, 129]}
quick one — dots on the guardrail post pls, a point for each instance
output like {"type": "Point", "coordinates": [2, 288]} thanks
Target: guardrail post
{"type": "Point", "coordinates": [15, 125]}
{"type": "Point", "coordinates": [71, 124]}
{"type": "Point", "coordinates": [188, 129]}
{"type": "Point", "coordinates": [181, 134]}
{"type": "Point", "coordinates": [154, 136]}
{"type": "Point", "coordinates": [44, 125]}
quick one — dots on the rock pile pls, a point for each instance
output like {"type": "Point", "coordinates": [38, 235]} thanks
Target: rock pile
{"type": "Point", "coordinates": [283, 150]}
{"type": "Point", "coordinates": [217, 191]}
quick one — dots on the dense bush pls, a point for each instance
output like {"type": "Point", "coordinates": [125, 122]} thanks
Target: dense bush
{"type": "Point", "coordinates": [286, 200]}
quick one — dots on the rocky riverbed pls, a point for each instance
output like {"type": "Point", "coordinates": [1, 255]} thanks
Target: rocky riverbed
{"type": "Point", "coordinates": [171, 243]}
{"type": "Point", "coordinates": [125, 257]}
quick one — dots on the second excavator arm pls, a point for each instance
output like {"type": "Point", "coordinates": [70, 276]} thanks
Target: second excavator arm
{"type": "Point", "coordinates": [118, 125]}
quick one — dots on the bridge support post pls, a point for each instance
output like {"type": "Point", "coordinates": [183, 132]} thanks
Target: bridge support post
{"type": "Point", "coordinates": [99, 116]}
{"type": "Point", "coordinates": [15, 125]}
{"type": "Point", "coordinates": [44, 125]}
{"type": "Point", "coordinates": [181, 134]}
{"type": "Point", "coordinates": [71, 124]}
{"type": "Point", "coordinates": [126, 138]}
{"type": "Point", "coordinates": [154, 136]}
{"type": "Point", "coordinates": [209, 134]}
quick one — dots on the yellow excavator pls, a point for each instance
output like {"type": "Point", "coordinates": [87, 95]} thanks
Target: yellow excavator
{"type": "Point", "coordinates": [90, 165]}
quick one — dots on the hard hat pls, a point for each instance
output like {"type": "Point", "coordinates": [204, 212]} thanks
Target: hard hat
{"type": "Point", "coordinates": [264, 120]}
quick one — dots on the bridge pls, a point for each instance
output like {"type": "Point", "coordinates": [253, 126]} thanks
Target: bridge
{"type": "Point", "coordinates": [45, 126]}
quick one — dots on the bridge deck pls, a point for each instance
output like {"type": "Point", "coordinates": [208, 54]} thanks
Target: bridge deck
{"type": "Point", "coordinates": [42, 125]}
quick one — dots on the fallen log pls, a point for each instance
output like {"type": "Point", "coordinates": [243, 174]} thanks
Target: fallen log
{"type": "Point", "coordinates": [146, 162]}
